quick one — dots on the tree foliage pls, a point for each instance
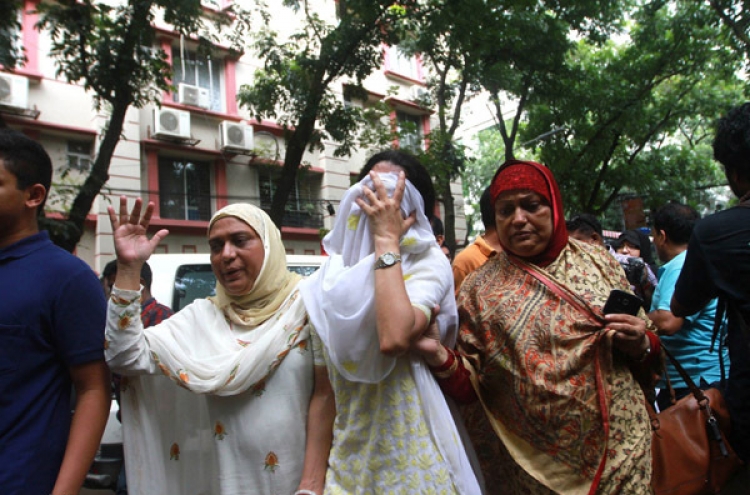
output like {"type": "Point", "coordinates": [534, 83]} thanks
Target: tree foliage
{"type": "Point", "coordinates": [637, 115]}
{"type": "Point", "coordinates": [294, 86]}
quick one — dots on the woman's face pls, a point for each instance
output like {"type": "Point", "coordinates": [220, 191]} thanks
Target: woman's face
{"type": "Point", "coordinates": [237, 255]}
{"type": "Point", "coordinates": [629, 249]}
{"type": "Point", "coordinates": [524, 222]}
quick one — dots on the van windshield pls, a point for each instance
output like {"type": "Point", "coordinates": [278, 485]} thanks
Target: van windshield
{"type": "Point", "coordinates": [198, 282]}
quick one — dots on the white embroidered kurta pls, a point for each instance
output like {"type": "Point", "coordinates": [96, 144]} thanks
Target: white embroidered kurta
{"type": "Point", "coordinates": [246, 437]}
{"type": "Point", "coordinates": [393, 431]}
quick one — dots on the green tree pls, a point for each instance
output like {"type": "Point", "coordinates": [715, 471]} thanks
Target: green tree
{"type": "Point", "coordinates": [635, 115]}
{"type": "Point", "coordinates": [110, 50]}
{"type": "Point", "coordinates": [294, 87]}
{"type": "Point", "coordinates": [735, 16]}
{"type": "Point", "coordinates": [525, 48]}
{"type": "Point", "coordinates": [487, 157]}
{"type": "Point", "coordinates": [446, 38]}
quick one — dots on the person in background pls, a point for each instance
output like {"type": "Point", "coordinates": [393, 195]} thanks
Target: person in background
{"type": "Point", "coordinates": [585, 227]}
{"type": "Point", "coordinates": [393, 431]}
{"type": "Point", "coordinates": [689, 339]}
{"type": "Point", "coordinates": [152, 313]}
{"type": "Point", "coordinates": [438, 229]}
{"type": "Point", "coordinates": [718, 265]}
{"type": "Point", "coordinates": [52, 315]}
{"type": "Point", "coordinates": [552, 372]}
{"type": "Point", "coordinates": [633, 250]}
{"type": "Point", "coordinates": [230, 419]}
{"type": "Point", "coordinates": [483, 247]}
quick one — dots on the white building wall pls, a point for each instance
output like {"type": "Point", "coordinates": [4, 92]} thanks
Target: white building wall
{"type": "Point", "coordinates": [67, 112]}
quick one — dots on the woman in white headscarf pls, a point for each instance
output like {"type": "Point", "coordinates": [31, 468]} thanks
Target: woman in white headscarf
{"type": "Point", "coordinates": [393, 430]}
{"type": "Point", "coordinates": [242, 358]}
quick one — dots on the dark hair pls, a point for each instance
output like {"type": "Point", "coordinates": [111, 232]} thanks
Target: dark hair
{"type": "Point", "coordinates": [146, 275]}
{"type": "Point", "coordinates": [677, 221]}
{"type": "Point", "coordinates": [414, 170]}
{"type": "Point", "coordinates": [732, 141]}
{"type": "Point", "coordinates": [26, 160]}
{"type": "Point", "coordinates": [487, 210]}
{"type": "Point", "coordinates": [110, 269]}
{"type": "Point", "coordinates": [437, 226]}
{"type": "Point", "coordinates": [584, 223]}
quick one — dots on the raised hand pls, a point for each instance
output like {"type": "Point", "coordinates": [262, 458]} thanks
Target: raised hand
{"type": "Point", "coordinates": [132, 245]}
{"type": "Point", "coordinates": [384, 213]}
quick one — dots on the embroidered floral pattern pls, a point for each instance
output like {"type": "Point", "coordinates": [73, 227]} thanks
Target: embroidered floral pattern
{"type": "Point", "coordinates": [233, 373]}
{"type": "Point", "coordinates": [125, 319]}
{"type": "Point", "coordinates": [272, 462]}
{"type": "Point", "coordinates": [219, 431]}
{"type": "Point", "coordinates": [258, 389]}
{"type": "Point", "coordinates": [352, 222]}
{"type": "Point", "coordinates": [174, 452]}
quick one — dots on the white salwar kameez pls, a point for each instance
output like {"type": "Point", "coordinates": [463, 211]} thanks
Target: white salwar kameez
{"type": "Point", "coordinates": [179, 442]}
{"type": "Point", "coordinates": [236, 425]}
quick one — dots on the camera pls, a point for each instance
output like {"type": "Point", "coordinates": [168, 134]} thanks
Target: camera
{"type": "Point", "coordinates": [634, 268]}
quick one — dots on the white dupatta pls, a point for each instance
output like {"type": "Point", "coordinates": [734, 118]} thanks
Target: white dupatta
{"type": "Point", "coordinates": [340, 301]}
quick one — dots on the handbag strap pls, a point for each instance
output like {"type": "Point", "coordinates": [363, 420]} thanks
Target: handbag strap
{"type": "Point", "coordinates": [697, 392]}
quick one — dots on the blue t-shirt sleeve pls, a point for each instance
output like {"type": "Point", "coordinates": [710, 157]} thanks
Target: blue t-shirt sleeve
{"type": "Point", "coordinates": [79, 318]}
{"type": "Point", "coordinates": [664, 289]}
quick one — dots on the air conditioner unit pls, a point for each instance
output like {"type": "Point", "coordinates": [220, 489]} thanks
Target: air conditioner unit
{"type": "Point", "coordinates": [171, 123]}
{"type": "Point", "coordinates": [236, 136]}
{"type": "Point", "coordinates": [14, 91]}
{"type": "Point", "coordinates": [417, 92]}
{"type": "Point", "coordinates": [193, 95]}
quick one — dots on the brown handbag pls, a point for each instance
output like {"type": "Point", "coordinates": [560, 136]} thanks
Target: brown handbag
{"type": "Point", "coordinates": [691, 455]}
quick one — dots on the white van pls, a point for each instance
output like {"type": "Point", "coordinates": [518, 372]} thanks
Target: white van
{"type": "Point", "coordinates": [178, 279]}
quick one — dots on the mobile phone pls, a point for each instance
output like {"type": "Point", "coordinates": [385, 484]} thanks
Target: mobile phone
{"type": "Point", "coordinates": [622, 302]}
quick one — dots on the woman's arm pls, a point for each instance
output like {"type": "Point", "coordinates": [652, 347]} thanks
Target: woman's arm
{"type": "Point", "coordinates": [319, 433]}
{"type": "Point", "coordinates": [399, 323]}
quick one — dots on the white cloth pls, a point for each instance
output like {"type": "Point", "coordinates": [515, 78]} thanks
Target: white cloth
{"type": "Point", "coordinates": [340, 301]}
{"type": "Point", "coordinates": [240, 430]}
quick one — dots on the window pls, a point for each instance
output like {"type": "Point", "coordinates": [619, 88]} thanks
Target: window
{"type": "Point", "coordinates": [303, 208]}
{"type": "Point", "coordinates": [409, 131]}
{"type": "Point", "coordinates": [403, 64]}
{"type": "Point", "coordinates": [184, 189]}
{"type": "Point", "coordinates": [201, 71]}
{"type": "Point", "coordinates": [79, 156]}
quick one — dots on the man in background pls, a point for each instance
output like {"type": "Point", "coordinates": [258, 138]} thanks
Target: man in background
{"type": "Point", "coordinates": [483, 246]}
{"type": "Point", "coordinates": [689, 338]}
{"type": "Point", "coordinates": [585, 227]}
{"type": "Point", "coordinates": [52, 317]}
{"type": "Point", "coordinates": [718, 264]}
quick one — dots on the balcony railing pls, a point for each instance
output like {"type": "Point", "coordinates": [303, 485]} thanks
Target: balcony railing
{"type": "Point", "coordinates": [308, 215]}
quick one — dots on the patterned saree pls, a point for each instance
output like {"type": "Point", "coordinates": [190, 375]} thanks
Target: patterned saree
{"type": "Point", "coordinates": [569, 415]}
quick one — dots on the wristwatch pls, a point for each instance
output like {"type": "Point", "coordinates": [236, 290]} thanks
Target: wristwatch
{"type": "Point", "coordinates": [387, 259]}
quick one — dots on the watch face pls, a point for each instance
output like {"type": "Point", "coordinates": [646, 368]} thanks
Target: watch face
{"type": "Point", "coordinates": [388, 258]}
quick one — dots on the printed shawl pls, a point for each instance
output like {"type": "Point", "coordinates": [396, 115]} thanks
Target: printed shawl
{"type": "Point", "coordinates": [569, 415]}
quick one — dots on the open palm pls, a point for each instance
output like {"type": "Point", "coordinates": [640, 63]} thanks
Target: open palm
{"type": "Point", "coordinates": [132, 245]}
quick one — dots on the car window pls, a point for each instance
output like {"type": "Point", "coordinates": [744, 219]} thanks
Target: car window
{"type": "Point", "coordinates": [192, 282]}
{"type": "Point", "coordinates": [303, 270]}
{"type": "Point", "coordinates": [198, 282]}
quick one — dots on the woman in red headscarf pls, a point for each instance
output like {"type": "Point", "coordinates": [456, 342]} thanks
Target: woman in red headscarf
{"type": "Point", "coordinates": [552, 372]}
